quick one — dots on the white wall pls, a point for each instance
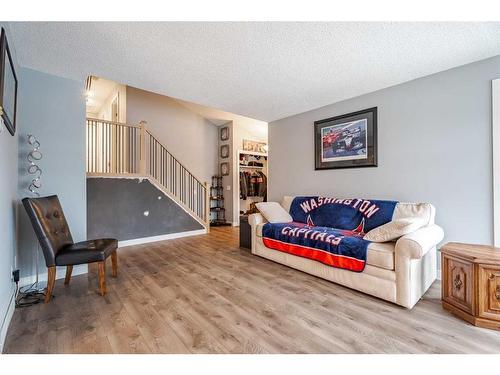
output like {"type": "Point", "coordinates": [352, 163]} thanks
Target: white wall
{"type": "Point", "coordinates": [188, 136]}
{"type": "Point", "coordinates": [495, 123]}
{"type": "Point", "coordinates": [240, 127]}
{"type": "Point", "coordinates": [434, 145]}
{"type": "Point", "coordinates": [104, 113]}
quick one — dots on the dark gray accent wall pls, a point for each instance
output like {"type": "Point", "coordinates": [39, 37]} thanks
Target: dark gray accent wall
{"type": "Point", "coordinates": [434, 145]}
{"type": "Point", "coordinates": [127, 208]}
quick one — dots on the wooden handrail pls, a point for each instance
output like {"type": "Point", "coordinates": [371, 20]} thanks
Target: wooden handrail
{"type": "Point", "coordinates": [112, 122]}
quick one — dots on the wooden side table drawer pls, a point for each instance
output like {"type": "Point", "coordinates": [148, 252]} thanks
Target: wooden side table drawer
{"type": "Point", "coordinates": [471, 283]}
{"type": "Point", "coordinates": [489, 294]}
{"type": "Point", "coordinates": [458, 283]}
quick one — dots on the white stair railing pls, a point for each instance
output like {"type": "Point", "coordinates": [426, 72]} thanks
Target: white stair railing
{"type": "Point", "coordinates": [117, 149]}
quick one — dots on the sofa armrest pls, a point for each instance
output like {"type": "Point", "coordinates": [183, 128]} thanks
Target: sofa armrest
{"type": "Point", "coordinates": [256, 219]}
{"type": "Point", "coordinates": [415, 245]}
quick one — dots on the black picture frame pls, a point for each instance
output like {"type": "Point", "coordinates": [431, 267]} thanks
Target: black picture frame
{"type": "Point", "coordinates": [224, 169]}
{"type": "Point", "coordinates": [224, 151]}
{"type": "Point", "coordinates": [346, 141]}
{"type": "Point", "coordinates": [224, 133]}
{"type": "Point", "coordinates": [7, 65]}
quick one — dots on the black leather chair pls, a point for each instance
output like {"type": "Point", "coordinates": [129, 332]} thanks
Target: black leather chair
{"type": "Point", "coordinates": [53, 233]}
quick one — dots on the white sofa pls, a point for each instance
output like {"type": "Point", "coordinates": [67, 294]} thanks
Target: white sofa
{"type": "Point", "coordinates": [400, 271]}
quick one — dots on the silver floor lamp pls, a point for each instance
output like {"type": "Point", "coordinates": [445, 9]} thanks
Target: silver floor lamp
{"type": "Point", "coordinates": [33, 293]}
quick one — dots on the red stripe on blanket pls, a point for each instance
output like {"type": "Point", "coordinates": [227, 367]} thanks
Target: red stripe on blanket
{"type": "Point", "coordinates": [322, 256]}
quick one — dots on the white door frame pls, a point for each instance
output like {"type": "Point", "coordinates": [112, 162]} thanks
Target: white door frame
{"type": "Point", "coordinates": [117, 100]}
{"type": "Point", "coordinates": [495, 116]}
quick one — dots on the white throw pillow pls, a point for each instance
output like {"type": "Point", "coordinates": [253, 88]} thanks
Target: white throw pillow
{"type": "Point", "coordinates": [394, 229]}
{"type": "Point", "coordinates": [424, 211]}
{"type": "Point", "coordinates": [273, 212]}
{"type": "Point", "coordinates": [287, 202]}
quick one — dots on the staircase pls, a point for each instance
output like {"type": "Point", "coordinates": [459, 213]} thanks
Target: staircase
{"type": "Point", "coordinates": [121, 150]}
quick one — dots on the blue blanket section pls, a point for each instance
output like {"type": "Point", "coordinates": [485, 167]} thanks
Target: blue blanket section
{"type": "Point", "coordinates": [337, 248]}
{"type": "Point", "coordinates": [360, 215]}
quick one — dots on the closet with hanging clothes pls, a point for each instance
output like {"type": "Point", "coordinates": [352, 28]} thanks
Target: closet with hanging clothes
{"type": "Point", "coordinates": [252, 168]}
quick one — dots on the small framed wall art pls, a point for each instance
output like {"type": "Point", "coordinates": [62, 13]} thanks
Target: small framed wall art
{"type": "Point", "coordinates": [224, 151]}
{"type": "Point", "coordinates": [254, 146]}
{"type": "Point", "coordinates": [346, 141]}
{"type": "Point", "coordinates": [224, 169]}
{"type": "Point", "coordinates": [224, 133]}
{"type": "Point", "coordinates": [8, 85]}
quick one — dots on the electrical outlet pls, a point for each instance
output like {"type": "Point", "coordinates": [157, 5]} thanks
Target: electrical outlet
{"type": "Point", "coordinates": [15, 276]}
{"type": "Point", "coordinates": [228, 187]}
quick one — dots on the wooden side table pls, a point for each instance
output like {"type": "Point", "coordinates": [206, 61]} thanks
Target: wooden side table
{"type": "Point", "coordinates": [471, 283]}
{"type": "Point", "coordinates": [245, 233]}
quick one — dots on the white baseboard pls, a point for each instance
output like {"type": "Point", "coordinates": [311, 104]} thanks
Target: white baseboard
{"type": "Point", "coordinates": [171, 236]}
{"type": "Point", "coordinates": [60, 274]}
{"type": "Point", "coordinates": [6, 319]}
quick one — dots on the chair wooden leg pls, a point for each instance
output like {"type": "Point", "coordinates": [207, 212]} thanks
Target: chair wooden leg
{"type": "Point", "coordinates": [69, 270]}
{"type": "Point", "coordinates": [51, 280]}
{"type": "Point", "coordinates": [102, 277]}
{"type": "Point", "coordinates": [114, 264]}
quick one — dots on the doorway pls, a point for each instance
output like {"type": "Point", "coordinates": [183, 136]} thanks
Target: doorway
{"type": "Point", "coordinates": [115, 110]}
{"type": "Point", "coordinates": [495, 115]}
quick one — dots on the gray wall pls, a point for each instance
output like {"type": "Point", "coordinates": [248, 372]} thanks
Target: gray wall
{"type": "Point", "coordinates": [117, 207]}
{"type": "Point", "coordinates": [52, 109]}
{"type": "Point", "coordinates": [434, 145]}
{"type": "Point", "coordinates": [8, 199]}
{"type": "Point", "coordinates": [188, 136]}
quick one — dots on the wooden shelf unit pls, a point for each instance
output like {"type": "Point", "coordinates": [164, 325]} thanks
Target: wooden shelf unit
{"type": "Point", "coordinates": [217, 212]}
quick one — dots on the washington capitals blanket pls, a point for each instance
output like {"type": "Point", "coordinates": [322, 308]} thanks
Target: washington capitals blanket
{"type": "Point", "coordinates": [359, 215]}
{"type": "Point", "coordinates": [329, 230]}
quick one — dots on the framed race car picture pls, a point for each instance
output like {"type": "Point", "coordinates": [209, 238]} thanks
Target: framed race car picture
{"type": "Point", "coordinates": [346, 141]}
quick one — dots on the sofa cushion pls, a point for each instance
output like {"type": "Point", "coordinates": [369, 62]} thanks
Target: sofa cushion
{"type": "Point", "coordinates": [378, 255]}
{"type": "Point", "coordinates": [395, 229]}
{"type": "Point", "coordinates": [274, 212]}
{"type": "Point", "coordinates": [381, 255]}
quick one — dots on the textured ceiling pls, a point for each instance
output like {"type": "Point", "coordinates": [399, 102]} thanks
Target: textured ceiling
{"type": "Point", "coordinates": [262, 70]}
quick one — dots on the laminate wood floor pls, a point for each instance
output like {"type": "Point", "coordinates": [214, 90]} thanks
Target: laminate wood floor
{"type": "Point", "coordinates": [204, 294]}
